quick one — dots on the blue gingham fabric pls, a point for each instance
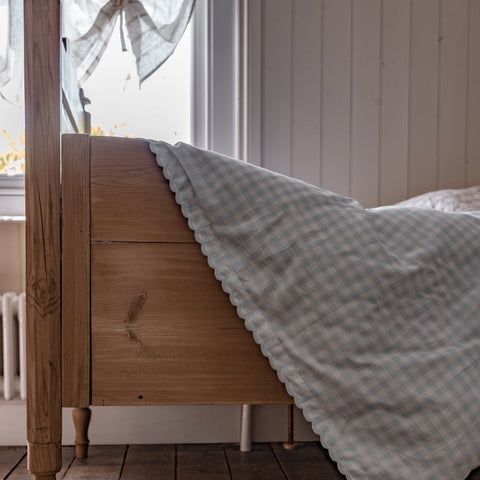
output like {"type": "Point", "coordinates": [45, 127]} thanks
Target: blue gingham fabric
{"type": "Point", "coordinates": [371, 318]}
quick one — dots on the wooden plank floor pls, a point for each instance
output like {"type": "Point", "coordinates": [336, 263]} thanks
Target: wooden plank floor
{"type": "Point", "coordinates": [186, 462]}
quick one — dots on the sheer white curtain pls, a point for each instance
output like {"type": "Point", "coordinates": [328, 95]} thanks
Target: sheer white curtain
{"type": "Point", "coordinates": [152, 28]}
{"type": "Point", "coordinates": [11, 51]}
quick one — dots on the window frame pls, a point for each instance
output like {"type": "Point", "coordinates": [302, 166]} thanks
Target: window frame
{"type": "Point", "coordinates": [12, 197]}
{"type": "Point", "coordinates": [219, 68]}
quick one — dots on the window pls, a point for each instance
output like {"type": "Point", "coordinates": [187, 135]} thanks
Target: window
{"type": "Point", "coordinates": [12, 142]}
{"type": "Point", "coordinates": [160, 109]}
{"type": "Point", "coordinates": [194, 97]}
{"type": "Point", "coordinates": [12, 159]}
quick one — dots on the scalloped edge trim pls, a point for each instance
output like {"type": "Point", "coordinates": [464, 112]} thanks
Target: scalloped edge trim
{"type": "Point", "coordinates": [180, 185]}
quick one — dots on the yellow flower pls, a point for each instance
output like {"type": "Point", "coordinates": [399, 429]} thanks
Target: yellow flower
{"type": "Point", "coordinates": [13, 161]}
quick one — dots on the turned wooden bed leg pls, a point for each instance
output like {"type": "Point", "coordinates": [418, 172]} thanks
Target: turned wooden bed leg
{"type": "Point", "coordinates": [81, 419]}
{"type": "Point", "coordinates": [290, 444]}
{"type": "Point", "coordinates": [44, 460]}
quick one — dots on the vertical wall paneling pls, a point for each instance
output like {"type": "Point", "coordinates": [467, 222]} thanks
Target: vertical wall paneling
{"type": "Point", "coordinates": [254, 82]}
{"type": "Point", "coordinates": [365, 101]}
{"type": "Point", "coordinates": [423, 117]}
{"type": "Point", "coordinates": [376, 99]}
{"type": "Point", "coordinates": [240, 51]}
{"type": "Point", "coordinates": [452, 98]}
{"type": "Point", "coordinates": [223, 82]}
{"type": "Point", "coordinates": [336, 95]}
{"type": "Point", "coordinates": [201, 67]}
{"type": "Point", "coordinates": [277, 43]}
{"type": "Point", "coordinates": [394, 102]}
{"type": "Point", "coordinates": [473, 97]}
{"type": "Point", "coordinates": [306, 89]}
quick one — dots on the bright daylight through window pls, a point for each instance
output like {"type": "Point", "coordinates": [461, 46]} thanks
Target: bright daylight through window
{"type": "Point", "coordinates": [12, 139]}
{"type": "Point", "coordinates": [159, 109]}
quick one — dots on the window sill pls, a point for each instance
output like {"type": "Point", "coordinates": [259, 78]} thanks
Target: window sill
{"type": "Point", "coordinates": [12, 198]}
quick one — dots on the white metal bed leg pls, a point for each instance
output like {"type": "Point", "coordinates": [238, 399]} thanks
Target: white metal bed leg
{"type": "Point", "coordinates": [246, 429]}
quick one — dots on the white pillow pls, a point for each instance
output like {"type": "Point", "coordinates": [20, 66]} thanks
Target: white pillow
{"type": "Point", "coordinates": [453, 200]}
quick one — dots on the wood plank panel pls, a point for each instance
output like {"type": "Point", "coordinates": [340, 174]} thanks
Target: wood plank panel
{"type": "Point", "coordinates": [130, 198]}
{"type": "Point", "coordinates": [336, 95]}
{"type": "Point", "coordinates": [104, 462]}
{"type": "Point", "coordinates": [423, 117]}
{"type": "Point", "coordinates": [299, 463]}
{"type": "Point", "coordinates": [452, 100]}
{"type": "Point", "coordinates": [394, 104]}
{"type": "Point", "coordinates": [365, 102]}
{"type": "Point", "coordinates": [68, 456]}
{"type": "Point", "coordinates": [260, 463]}
{"type": "Point", "coordinates": [9, 457]}
{"type": "Point", "coordinates": [22, 473]}
{"type": "Point", "coordinates": [76, 271]}
{"type": "Point", "coordinates": [277, 84]}
{"type": "Point", "coordinates": [474, 475]}
{"type": "Point", "coordinates": [473, 99]}
{"type": "Point", "coordinates": [199, 462]}
{"type": "Point", "coordinates": [145, 462]}
{"type": "Point", "coordinates": [43, 278]}
{"type": "Point", "coordinates": [164, 332]}
{"type": "Point", "coordinates": [306, 90]}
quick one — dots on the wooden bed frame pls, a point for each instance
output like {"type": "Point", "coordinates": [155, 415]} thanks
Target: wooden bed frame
{"type": "Point", "coordinates": [122, 308]}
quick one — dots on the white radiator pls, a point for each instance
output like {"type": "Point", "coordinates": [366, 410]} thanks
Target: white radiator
{"type": "Point", "coordinates": [13, 345]}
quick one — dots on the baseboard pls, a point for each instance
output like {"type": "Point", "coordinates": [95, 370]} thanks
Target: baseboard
{"type": "Point", "coordinates": [144, 425]}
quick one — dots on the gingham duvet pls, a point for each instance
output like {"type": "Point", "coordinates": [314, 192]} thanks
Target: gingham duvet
{"type": "Point", "coordinates": [371, 318]}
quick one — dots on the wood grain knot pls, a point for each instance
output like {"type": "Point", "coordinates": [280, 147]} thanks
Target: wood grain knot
{"type": "Point", "coordinates": [134, 312]}
{"type": "Point", "coordinates": [136, 307]}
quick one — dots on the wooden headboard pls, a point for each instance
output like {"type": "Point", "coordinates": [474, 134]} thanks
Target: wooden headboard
{"type": "Point", "coordinates": [145, 321]}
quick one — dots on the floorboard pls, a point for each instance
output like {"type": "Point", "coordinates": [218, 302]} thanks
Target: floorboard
{"type": "Point", "coordinates": [104, 462]}
{"type": "Point", "coordinates": [9, 458]}
{"type": "Point", "coordinates": [475, 475]}
{"type": "Point", "coordinates": [200, 462]}
{"type": "Point", "coordinates": [21, 472]}
{"type": "Point", "coordinates": [259, 464]}
{"type": "Point", "coordinates": [305, 460]}
{"type": "Point", "coordinates": [309, 461]}
{"type": "Point", "coordinates": [145, 462]}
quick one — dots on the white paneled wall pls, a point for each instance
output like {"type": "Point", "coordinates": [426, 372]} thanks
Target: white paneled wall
{"type": "Point", "coordinates": [376, 99]}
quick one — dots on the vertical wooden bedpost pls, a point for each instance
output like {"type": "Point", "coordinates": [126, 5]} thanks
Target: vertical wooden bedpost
{"type": "Point", "coordinates": [76, 284]}
{"type": "Point", "coordinates": [42, 106]}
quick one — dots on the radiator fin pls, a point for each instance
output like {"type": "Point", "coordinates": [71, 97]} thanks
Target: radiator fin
{"type": "Point", "coordinates": [13, 345]}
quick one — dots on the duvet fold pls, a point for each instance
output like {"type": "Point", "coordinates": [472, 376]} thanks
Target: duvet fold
{"type": "Point", "coordinates": [371, 318]}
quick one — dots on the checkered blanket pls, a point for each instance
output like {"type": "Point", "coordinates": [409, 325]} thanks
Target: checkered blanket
{"type": "Point", "coordinates": [371, 318]}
